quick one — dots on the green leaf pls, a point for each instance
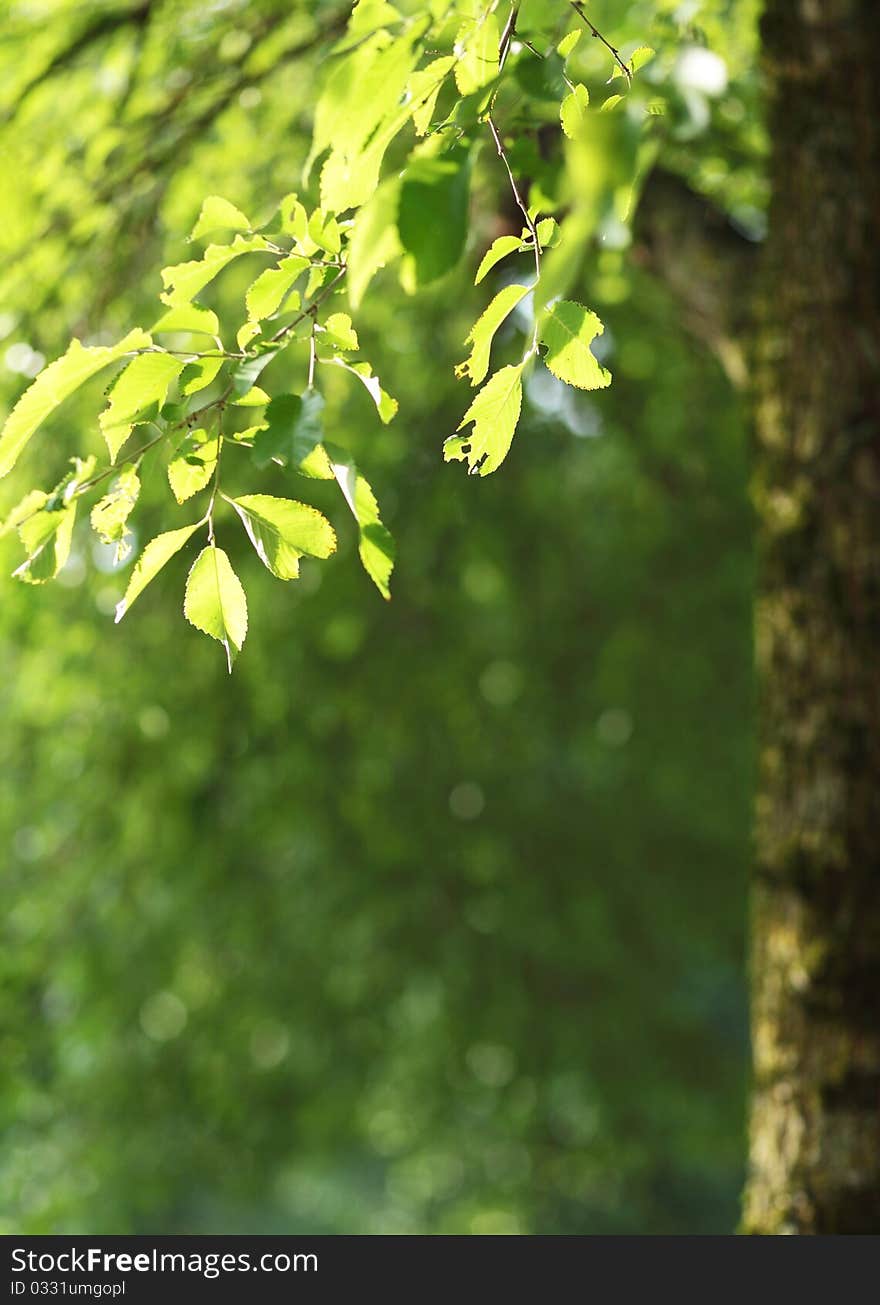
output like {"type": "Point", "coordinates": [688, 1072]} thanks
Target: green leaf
{"type": "Point", "coordinates": [498, 249]}
{"type": "Point", "coordinates": [568, 43]}
{"type": "Point", "coordinates": [432, 219]}
{"type": "Point", "coordinates": [54, 384]}
{"type": "Point", "coordinates": [375, 542]}
{"type": "Point", "coordinates": [46, 538]}
{"type": "Point", "coordinates": [339, 332]}
{"type": "Point", "coordinates": [611, 103]}
{"type": "Point", "coordinates": [271, 287]}
{"type": "Point", "coordinates": [293, 435]}
{"type": "Point", "coordinates": [324, 230]}
{"type": "Point", "coordinates": [568, 330]}
{"type": "Point", "coordinates": [214, 601]}
{"type": "Point", "coordinates": [374, 239]}
{"type": "Point", "coordinates": [110, 514]}
{"type": "Point", "coordinates": [548, 232]}
{"type": "Point", "coordinates": [478, 42]}
{"type": "Point", "coordinates": [494, 413]}
{"type": "Point", "coordinates": [191, 468]}
{"type": "Point", "coordinates": [198, 374]}
{"type": "Point", "coordinates": [244, 376]}
{"type": "Point", "coordinates": [156, 553]}
{"type": "Point", "coordinates": [644, 54]}
{"type": "Point", "coordinates": [183, 281]}
{"type": "Point", "coordinates": [424, 87]}
{"type": "Point", "coordinates": [219, 215]}
{"type": "Point", "coordinates": [573, 111]}
{"type": "Point", "coordinates": [137, 394]}
{"type": "Point", "coordinates": [188, 318]}
{"type": "Point", "coordinates": [483, 332]}
{"type": "Point", "coordinates": [386, 406]}
{"type": "Point", "coordinates": [283, 530]}
{"type": "Point", "coordinates": [294, 222]}
{"type": "Point", "coordinates": [362, 91]}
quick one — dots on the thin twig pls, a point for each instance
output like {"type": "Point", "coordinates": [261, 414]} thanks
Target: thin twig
{"type": "Point", "coordinates": [618, 57]}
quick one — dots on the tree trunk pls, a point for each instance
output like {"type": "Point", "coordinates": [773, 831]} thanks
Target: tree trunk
{"type": "Point", "coordinates": [815, 1128]}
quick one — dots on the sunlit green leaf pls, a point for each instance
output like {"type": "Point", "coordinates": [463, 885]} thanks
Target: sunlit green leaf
{"type": "Point", "coordinates": [424, 87]}
{"type": "Point", "coordinates": [573, 111]}
{"type": "Point", "coordinates": [54, 384]}
{"type": "Point", "coordinates": [477, 42]}
{"type": "Point", "coordinates": [137, 395]}
{"type": "Point", "coordinates": [498, 249]}
{"type": "Point", "coordinates": [183, 281]}
{"type": "Point", "coordinates": [494, 413]}
{"type": "Point", "coordinates": [154, 556]}
{"type": "Point", "coordinates": [644, 54]}
{"type": "Point", "coordinates": [483, 331]}
{"type": "Point", "coordinates": [214, 601]}
{"type": "Point", "coordinates": [567, 330]}
{"type": "Point", "coordinates": [188, 318]}
{"type": "Point", "coordinates": [374, 240]}
{"type": "Point", "coordinates": [568, 43]}
{"type": "Point", "coordinates": [375, 542]}
{"type": "Point", "coordinates": [218, 215]}
{"type": "Point", "coordinates": [46, 537]}
{"type": "Point", "coordinates": [191, 468]}
{"type": "Point", "coordinates": [198, 374]}
{"type": "Point", "coordinates": [272, 287]}
{"type": "Point", "coordinates": [283, 530]}
{"type": "Point", "coordinates": [110, 514]}
{"type": "Point", "coordinates": [386, 406]}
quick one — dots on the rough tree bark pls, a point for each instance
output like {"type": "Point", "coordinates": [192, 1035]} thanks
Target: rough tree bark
{"type": "Point", "coordinates": [815, 1127]}
{"type": "Point", "coordinates": [812, 332]}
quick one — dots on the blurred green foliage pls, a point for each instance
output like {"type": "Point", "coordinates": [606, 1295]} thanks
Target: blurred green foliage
{"type": "Point", "coordinates": [431, 918]}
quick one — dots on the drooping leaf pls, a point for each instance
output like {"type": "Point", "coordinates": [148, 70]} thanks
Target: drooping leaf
{"type": "Point", "coordinates": [386, 406]}
{"type": "Point", "coordinates": [183, 281]}
{"type": "Point", "coordinates": [375, 542]}
{"type": "Point", "coordinates": [188, 318]}
{"type": "Point", "coordinates": [374, 239]}
{"type": "Point", "coordinates": [494, 413]}
{"type": "Point", "coordinates": [154, 556]}
{"type": "Point", "coordinates": [245, 374]}
{"type": "Point", "coordinates": [498, 249]}
{"type": "Point", "coordinates": [567, 330]}
{"type": "Point", "coordinates": [483, 332]}
{"type": "Point", "coordinates": [46, 537]}
{"type": "Point", "coordinates": [193, 464]}
{"type": "Point", "coordinates": [283, 530]}
{"type": "Point", "coordinates": [324, 230]}
{"type": "Point", "coordinates": [362, 94]}
{"type": "Point", "coordinates": [573, 111]}
{"type": "Point", "coordinates": [110, 514]}
{"type": "Point", "coordinates": [54, 384]}
{"type": "Point", "coordinates": [214, 601]}
{"type": "Point", "coordinates": [293, 435]}
{"type": "Point", "coordinates": [432, 217]}
{"type": "Point", "coordinates": [136, 396]}
{"type": "Point", "coordinates": [218, 215]}
{"type": "Point", "coordinates": [424, 87]}
{"type": "Point", "coordinates": [478, 42]}
{"type": "Point", "coordinates": [271, 287]}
